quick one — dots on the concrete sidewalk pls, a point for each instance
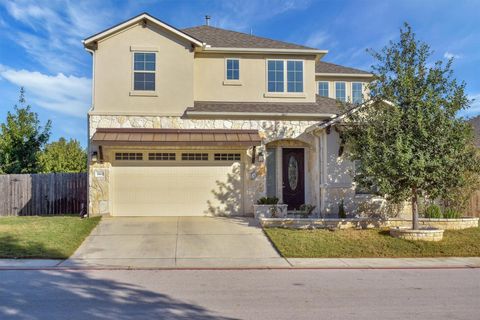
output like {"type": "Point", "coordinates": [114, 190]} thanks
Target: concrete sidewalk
{"type": "Point", "coordinates": [289, 263]}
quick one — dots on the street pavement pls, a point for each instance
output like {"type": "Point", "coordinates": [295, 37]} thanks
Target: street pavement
{"type": "Point", "coordinates": [240, 294]}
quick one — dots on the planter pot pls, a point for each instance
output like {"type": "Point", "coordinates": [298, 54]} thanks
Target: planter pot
{"type": "Point", "coordinates": [426, 234]}
{"type": "Point", "coordinates": [270, 210]}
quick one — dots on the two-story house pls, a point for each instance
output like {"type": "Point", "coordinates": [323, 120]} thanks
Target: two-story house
{"type": "Point", "coordinates": [206, 121]}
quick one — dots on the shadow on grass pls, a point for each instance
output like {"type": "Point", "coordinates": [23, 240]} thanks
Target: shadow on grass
{"type": "Point", "coordinates": [12, 248]}
{"type": "Point", "coordinates": [76, 295]}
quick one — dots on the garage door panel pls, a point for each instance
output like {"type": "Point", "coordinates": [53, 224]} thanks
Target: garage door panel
{"type": "Point", "coordinates": [177, 190]}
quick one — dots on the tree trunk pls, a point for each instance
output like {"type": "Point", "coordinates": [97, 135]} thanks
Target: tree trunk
{"type": "Point", "coordinates": [414, 209]}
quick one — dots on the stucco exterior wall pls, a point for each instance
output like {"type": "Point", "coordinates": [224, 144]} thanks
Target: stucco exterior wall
{"type": "Point", "coordinates": [113, 75]}
{"type": "Point", "coordinates": [210, 79]}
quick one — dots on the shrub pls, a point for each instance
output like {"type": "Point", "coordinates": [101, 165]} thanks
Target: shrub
{"type": "Point", "coordinates": [267, 200]}
{"type": "Point", "coordinates": [341, 211]}
{"type": "Point", "coordinates": [433, 211]}
{"type": "Point", "coordinates": [450, 213]}
{"type": "Point", "coordinates": [306, 209]}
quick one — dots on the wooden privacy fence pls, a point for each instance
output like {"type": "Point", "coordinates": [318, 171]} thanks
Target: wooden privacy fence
{"type": "Point", "coordinates": [42, 194]}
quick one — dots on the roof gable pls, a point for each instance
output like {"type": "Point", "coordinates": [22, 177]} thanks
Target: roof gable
{"type": "Point", "coordinates": [141, 17]}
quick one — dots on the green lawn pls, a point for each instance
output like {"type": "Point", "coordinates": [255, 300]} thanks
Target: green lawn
{"type": "Point", "coordinates": [53, 237]}
{"type": "Point", "coordinates": [370, 243]}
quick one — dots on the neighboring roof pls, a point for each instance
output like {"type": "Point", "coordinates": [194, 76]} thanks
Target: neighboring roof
{"type": "Point", "coordinates": [143, 16]}
{"type": "Point", "coordinates": [475, 122]}
{"type": "Point", "coordinates": [325, 107]}
{"type": "Point", "coordinates": [322, 67]}
{"type": "Point", "coordinates": [176, 137]}
{"type": "Point", "coordinates": [223, 38]}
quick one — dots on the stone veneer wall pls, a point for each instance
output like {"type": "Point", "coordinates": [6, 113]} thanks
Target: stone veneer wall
{"type": "Point", "coordinates": [367, 223]}
{"type": "Point", "coordinates": [269, 130]}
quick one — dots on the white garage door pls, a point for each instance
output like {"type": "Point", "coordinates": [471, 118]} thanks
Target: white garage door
{"type": "Point", "coordinates": [177, 190]}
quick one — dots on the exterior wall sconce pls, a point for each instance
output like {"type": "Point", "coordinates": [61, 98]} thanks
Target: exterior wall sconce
{"type": "Point", "coordinates": [94, 156]}
{"type": "Point", "coordinates": [261, 157]}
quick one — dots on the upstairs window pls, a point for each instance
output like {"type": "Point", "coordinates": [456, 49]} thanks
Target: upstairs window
{"type": "Point", "coordinates": [340, 91]}
{"type": "Point", "coordinates": [295, 76]}
{"type": "Point", "coordinates": [233, 69]}
{"type": "Point", "coordinates": [275, 76]}
{"type": "Point", "coordinates": [357, 96]}
{"type": "Point", "coordinates": [144, 71]}
{"type": "Point", "coordinates": [280, 72]}
{"type": "Point", "coordinates": [323, 88]}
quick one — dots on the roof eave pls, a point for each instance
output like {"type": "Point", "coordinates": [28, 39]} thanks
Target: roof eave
{"type": "Point", "coordinates": [92, 39]}
{"type": "Point", "coordinates": [316, 52]}
{"type": "Point", "coordinates": [261, 114]}
{"type": "Point", "coordinates": [357, 75]}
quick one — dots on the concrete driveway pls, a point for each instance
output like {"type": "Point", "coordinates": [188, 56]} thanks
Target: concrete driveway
{"type": "Point", "coordinates": [177, 242]}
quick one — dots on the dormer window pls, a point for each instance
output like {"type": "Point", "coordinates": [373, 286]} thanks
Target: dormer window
{"type": "Point", "coordinates": [144, 71]}
{"type": "Point", "coordinates": [232, 69]}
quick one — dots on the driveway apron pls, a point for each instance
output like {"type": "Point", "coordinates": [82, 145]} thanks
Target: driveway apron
{"type": "Point", "coordinates": [177, 242]}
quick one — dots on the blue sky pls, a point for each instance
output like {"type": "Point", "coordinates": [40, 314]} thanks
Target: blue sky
{"type": "Point", "coordinates": [40, 41]}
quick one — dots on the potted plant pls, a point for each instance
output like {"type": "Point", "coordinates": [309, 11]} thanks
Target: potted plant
{"type": "Point", "coordinates": [268, 207]}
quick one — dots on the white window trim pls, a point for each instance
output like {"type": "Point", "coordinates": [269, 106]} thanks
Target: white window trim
{"type": "Point", "coordinates": [335, 90]}
{"type": "Point", "coordinates": [328, 87]}
{"type": "Point", "coordinates": [285, 92]}
{"type": "Point", "coordinates": [145, 93]}
{"type": "Point", "coordinates": [232, 82]}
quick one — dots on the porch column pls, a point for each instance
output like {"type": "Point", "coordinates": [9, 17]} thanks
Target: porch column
{"type": "Point", "coordinates": [279, 178]}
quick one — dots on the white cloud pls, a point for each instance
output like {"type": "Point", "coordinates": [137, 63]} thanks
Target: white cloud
{"type": "Point", "coordinates": [317, 39]}
{"type": "Point", "coordinates": [54, 30]}
{"type": "Point", "coordinates": [60, 93]}
{"type": "Point", "coordinates": [450, 55]}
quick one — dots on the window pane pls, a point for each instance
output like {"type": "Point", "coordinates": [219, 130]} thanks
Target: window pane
{"type": "Point", "coordinates": [144, 81]}
{"type": "Point", "coordinates": [139, 57]}
{"type": "Point", "coordinates": [149, 76]}
{"type": "Point", "coordinates": [357, 96]}
{"type": "Point", "coordinates": [233, 72]}
{"type": "Point", "coordinates": [295, 76]}
{"type": "Point", "coordinates": [150, 57]}
{"type": "Point", "coordinates": [275, 76]}
{"type": "Point", "coordinates": [323, 89]}
{"type": "Point", "coordinates": [138, 85]}
{"type": "Point", "coordinates": [150, 86]}
{"type": "Point", "coordinates": [150, 66]}
{"type": "Point", "coordinates": [340, 93]}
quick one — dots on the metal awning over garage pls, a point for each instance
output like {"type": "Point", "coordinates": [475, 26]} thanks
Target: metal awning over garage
{"type": "Point", "coordinates": [176, 137]}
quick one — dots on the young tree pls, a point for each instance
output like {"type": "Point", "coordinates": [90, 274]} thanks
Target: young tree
{"type": "Point", "coordinates": [63, 156]}
{"type": "Point", "coordinates": [21, 139]}
{"type": "Point", "coordinates": [408, 138]}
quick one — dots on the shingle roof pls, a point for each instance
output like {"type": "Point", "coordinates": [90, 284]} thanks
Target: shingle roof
{"type": "Point", "coordinates": [327, 67]}
{"type": "Point", "coordinates": [222, 38]}
{"type": "Point", "coordinates": [323, 105]}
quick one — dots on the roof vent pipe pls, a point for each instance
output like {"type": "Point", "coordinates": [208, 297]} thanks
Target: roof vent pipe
{"type": "Point", "coordinates": [207, 20]}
